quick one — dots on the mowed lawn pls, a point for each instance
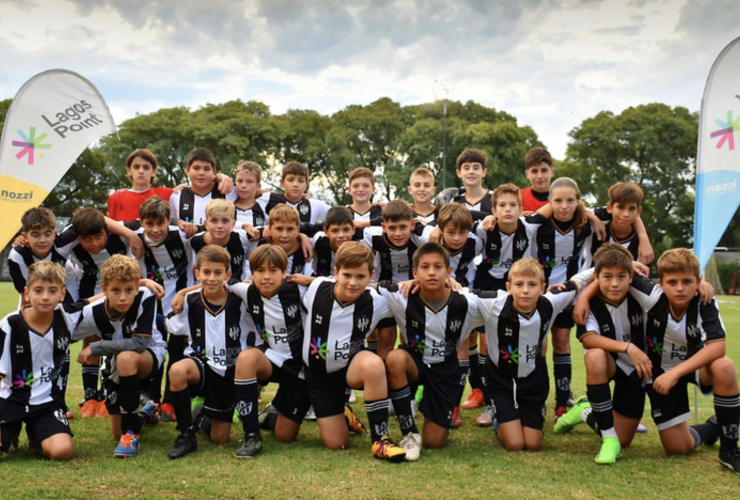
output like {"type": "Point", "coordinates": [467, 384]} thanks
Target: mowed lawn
{"type": "Point", "coordinates": [473, 465]}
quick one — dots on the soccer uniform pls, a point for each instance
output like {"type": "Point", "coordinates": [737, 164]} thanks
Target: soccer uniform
{"type": "Point", "coordinates": [258, 214]}
{"type": "Point", "coordinates": [278, 324]}
{"type": "Point", "coordinates": [239, 248]}
{"type": "Point", "coordinates": [432, 337]}
{"type": "Point", "coordinates": [323, 256]}
{"type": "Point", "coordinates": [21, 258]}
{"type": "Point", "coordinates": [485, 204]}
{"type": "Point", "coordinates": [31, 367]}
{"type": "Point", "coordinates": [427, 218]}
{"type": "Point", "coordinates": [123, 205]}
{"type": "Point", "coordinates": [311, 210]}
{"type": "Point", "coordinates": [374, 216]}
{"type": "Point", "coordinates": [532, 200]}
{"type": "Point", "coordinates": [516, 371]}
{"type": "Point", "coordinates": [630, 242]}
{"type": "Point", "coordinates": [333, 334]}
{"type": "Point", "coordinates": [191, 207]}
{"type": "Point", "coordinates": [501, 250]}
{"type": "Point", "coordinates": [215, 339]}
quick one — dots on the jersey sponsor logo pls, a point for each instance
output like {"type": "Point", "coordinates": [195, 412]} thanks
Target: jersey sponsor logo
{"type": "Point", "coordinates": [318, 319]}
{"type": "Point", "coordinates": [264, 334]}
{"type": "Point", "coordinates": [678, 352]}
{"type": "Point", "coordinates": [510, 354]}
{"type": "Point", "coordinates": [291, 310]}
{"type": "Point", "coordinates": [255, 310]}
{"type": "Point", "coordinates": [363, 323]}
{"type": "Point", "coordinates": [19, 349]}
{"type": "Point", "coordinates": [655, 346]}
{"type": "Point", "coordinates": [318, 349]}
{"type": "Point", "coordinates": [508, 332]}
{"type": "Point", "coordinates": [414, 323]}
{"type": "Point", "coordinates": [417, 344]}
{"type": "Point", "coordinates": [185, 208]}
{"type": "Point", "coordinates": [605, 328]}
{"type": "Point", "coordinates": [233, 332]}
{"type": "Point", "coordinates": [23, 380]}
{"type": "Point", "coordinates": [198, 333]}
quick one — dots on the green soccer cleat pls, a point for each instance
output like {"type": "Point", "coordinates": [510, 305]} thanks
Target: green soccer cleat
{"type": "Point", "coordinates": [573, 416]}
{"type": "Point", "coordinates": [610, 451]}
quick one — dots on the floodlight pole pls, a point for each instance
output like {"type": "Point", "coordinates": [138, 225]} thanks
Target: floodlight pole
{"type": "Point", "coordinates": [444, 142]}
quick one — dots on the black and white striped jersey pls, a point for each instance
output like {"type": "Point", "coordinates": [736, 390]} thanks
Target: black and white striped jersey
{"type": "Point", "coordinates": [216, 338]}
{"type": "Point", "coordinates": [278, 323]}
{"type": "Point", "coordinates": [561, 251]}
{"type": "Point", "coordinates": [239, 248]}
{"type": "Point", "coordinates": [434, 333]}
{"type": "Point", "coordinates": [501, 250]}
{"type": "Point", "coordinates": [31, 362]}
{"type": "Point", "coordinates": [138, 321]}
{"type": "Point", "coordinates": [323, 255]}
{"type": "Point", "coordinates": [90, 281]}
{"type": "Point", "coordinates": [515, 339]}
{"type": "Point", "coordinates": [391, 263]}
{"type": "Point", "coordinates": [334, 332]}
{"type": "Point", "coordinates": [484, 204]}
{"type": "Point", "coordinates": [191, 207]}
{"type": "Point", "coordinates": [169, 263]}
{"type": "Point", "coordinates": [310, 210]}
{"type": "Point", "coordinates": [21, 258]}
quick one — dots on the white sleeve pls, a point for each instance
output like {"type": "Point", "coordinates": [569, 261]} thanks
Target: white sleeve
{"type": "Point", "coordinates": [240, 290]}
{"type": "Point", "coordinates": [175, 205]}
{"type": "Point", "coordinates": [560, 300]}
{"type": "Point", "coordinates": [645, 291]}
{"type": "Point", "coordinates": [5, 367]}
{"type": "Point", "coordinates": [86, 325]}
{"type": "Point", "coordinates": [179, 324]}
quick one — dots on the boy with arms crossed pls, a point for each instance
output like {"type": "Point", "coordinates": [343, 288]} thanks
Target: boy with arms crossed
{"type": "Point", "coordinates": [216, 324]}
{"type": "Point", "coordinates": [34, 343]}
{"type": "Point", "coordinates": [133, 348]}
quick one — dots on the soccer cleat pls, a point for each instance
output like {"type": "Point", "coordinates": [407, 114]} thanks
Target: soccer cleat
{"type": "Point", "coordinates": [167, 413]}
{"type": "Point", "coordinates": [263, 417]}
{"type": "Point", "coordinates": [456, 418]}
{"type": "Point", "coordinates": [101, 411]}
{"type": "Point", "coordinates": [127, 446]}
{"type": "Point", "coordinates": [486, 418]}
{"type": "Point", "coordinates": [310, 414]}
{"type": "Point", "coordinates": [385, 449]}
{"type": "Point", "coordinates": [251, 445]}
{"type": "Point", "coordinates": [69, 415]}
{"type": "Point", "coordinates": [411, 442]}
{"type": "Point", "coordinates": [149, 412]}
{"type": "Point", "coordinates": [184, 444]}
{"type": "Point", "coordinates": [560, 411]}
{"type": "Point", "coordinates": [572, 417]}
{"type": "Point", "coordinates": [731, 460]}
{"type": "Point", "coordinates": [610, 451]}
{"type": "Point", "coordinates": [419, 395]}
{"type": "Point", "coordinates": [353, 422]}
{"type": "Point", "coordinates": [475, 399]}
{"type": "Point", "coordinates": [88, 408]}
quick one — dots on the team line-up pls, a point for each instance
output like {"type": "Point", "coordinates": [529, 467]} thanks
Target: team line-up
{"type": "Point", "coordinates": [237, 287]}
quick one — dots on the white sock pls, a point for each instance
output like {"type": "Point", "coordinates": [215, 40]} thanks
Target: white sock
{"type": "Point", "coordinates": [611, 432]}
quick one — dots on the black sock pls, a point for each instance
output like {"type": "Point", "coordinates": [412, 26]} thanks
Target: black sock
{"type": "Point", "coordinates": [708, 432]}
{"type": "Point", "coordinates": [591, 422]}
{"type": "Point", "coordinates": [474, 371]}
{"type": "Point", "coordinates": [482, 360]}
{"type": "Point", "coordinates": [727, 409]}
{"type": "Point", "coordinates": [377, 417]}
{"type": "Point", "coordinates": [464, 365]}
{"type": "Point", "coordinates": [561, 370]}
{"type": "Point", "coordinates": [401, 399]}
{"type": "Point", "coordinates": [90, 381]}
{"type": "Point", "coordinates": [155, 385]}
{"type": "Point", "coordinates": [129, 389]}
{"type": "Point", "coordinates": [175, 348]}
{"type": "Point", "coordinates": [181, 404]}
{"type": "Point", "coordinates": [247, 392]}
{"type": "Point", "coordinates": [600, 397]}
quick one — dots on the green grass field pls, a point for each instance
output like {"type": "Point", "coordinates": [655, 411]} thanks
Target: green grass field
{"type": "Point", "coordinates": [473, 465]}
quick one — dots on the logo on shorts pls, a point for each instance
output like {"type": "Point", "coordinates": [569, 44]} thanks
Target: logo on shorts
{"type": "Point", "coordinates": [291, 310]}
{"type": "Point", "coordinates": [60, 415]}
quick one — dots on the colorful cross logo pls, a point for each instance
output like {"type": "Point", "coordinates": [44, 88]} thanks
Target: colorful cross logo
{"type": "Point", "coordinates": [726, 130]}
{"type": "Point", "coordinates": [30, 144]}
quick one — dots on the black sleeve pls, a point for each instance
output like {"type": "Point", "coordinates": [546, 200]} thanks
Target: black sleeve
{"type": "Point", "coordinates": [19, 282]}
{"type": "Point", "coordinates": [478, 215]}
{"type": "Point", "coordinates": [310, 229]}
{"type": "Point", "coordinates": [485, 294]}
{"type": "Point", "coordinates": [603, 214]}
{"type": "Point", "coordinates": [376, 221]}
{"type": "Point", "coordinates": [536, 219]}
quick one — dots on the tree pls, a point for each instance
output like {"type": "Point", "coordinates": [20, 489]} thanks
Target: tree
{"type": "Point", "coordinates": [653, 145]}
{"type": "Point", "coordinates": [87, 183]}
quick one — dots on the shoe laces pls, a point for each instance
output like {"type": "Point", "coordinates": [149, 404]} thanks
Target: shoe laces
{"type": "Point", "coordinates": [127, 440]}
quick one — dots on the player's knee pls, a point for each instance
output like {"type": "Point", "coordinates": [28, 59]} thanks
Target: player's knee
{"type": "Point", "coordinates": [595, 360]}
{"type": "Point", "coordinates": [178, 372]}
{"type": "Point", "coordinates": [334, 443]}
{"type": "Point", "coordinates": [723, 370]}
{"type": "Point", "coordinates": [395, 362]}
{"type": "Point", "coordinates": [126, 360]}
{"type": "Point", "coordinates": [513, 444]}
{"type": "Point", "coordinates": [533, 444]}
{"type": "Point", "coordinates": [60, 451]}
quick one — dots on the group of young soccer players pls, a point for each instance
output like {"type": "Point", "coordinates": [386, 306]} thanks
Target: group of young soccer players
{"type": "Point", "coordinates": [237, 287]}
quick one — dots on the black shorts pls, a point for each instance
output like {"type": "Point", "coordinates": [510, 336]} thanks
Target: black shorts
{"type": "Point", "coordinates": [291, 399]}
{"type": "Point", "coordinates": [629, 394]}
{"type": "Point", "coordinates": [673, 408]}
{"type": "Point", "coordinates": [519, 399]}
{"type": "Point", "coordinates": [564, 319]}
{"type": "Point", "coordinates": [386, 323]}
{"type": "Point", "coordinates": [218, 392]}
{"type": "Point", "coordinates": [441, 383]}
{"type": "Point", "coordinates": [43, 421]}
{"type": "Point", "coordinates": [110, 384]}
{"type": "Point", "coordinates": [327, 391]}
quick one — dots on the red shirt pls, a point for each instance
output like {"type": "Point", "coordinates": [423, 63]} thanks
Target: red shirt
{"type": "Point", "coordinates": [123, 205]}
{"type": "Point", "coordinates": [529, 202]}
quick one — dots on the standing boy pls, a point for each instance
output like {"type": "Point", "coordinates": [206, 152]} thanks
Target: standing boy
{"type": "Point", "coordinates": [471, 169]}
{"type": "Point", "coordinates": [421, 188]}
{"type": "Point", "coordinates": [294, 181]}
{"type": "Point", "coordinates": [338, 229]}
{"type": "Point", "coordinates": [539, 171]}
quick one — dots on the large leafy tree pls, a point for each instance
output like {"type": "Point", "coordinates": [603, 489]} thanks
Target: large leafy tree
{"type": "Point", "coordinates": [653, 145]}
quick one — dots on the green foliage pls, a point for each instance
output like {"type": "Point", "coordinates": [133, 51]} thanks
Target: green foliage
{"type": "Point", "coordinates": [653, 145]}
{"type": "Point", "coordinates": [725, 271]}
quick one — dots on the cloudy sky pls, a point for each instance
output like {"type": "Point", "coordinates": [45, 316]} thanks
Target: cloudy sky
{"type": "Point", "coordinates": [549, 63]}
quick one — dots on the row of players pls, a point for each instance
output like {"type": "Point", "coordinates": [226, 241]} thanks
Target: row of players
{"type": "Point", "coordinates": [564, 192]}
